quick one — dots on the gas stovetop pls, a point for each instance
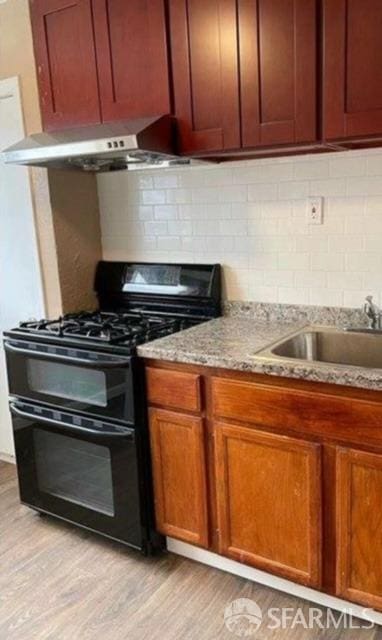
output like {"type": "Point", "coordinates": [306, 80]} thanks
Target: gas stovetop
{"type": "Point", "coordinates": [104, 327]}
{"type": "Point", "coordinates": [138, 302]}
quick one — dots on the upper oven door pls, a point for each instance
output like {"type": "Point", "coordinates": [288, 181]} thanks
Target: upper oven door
{"type": "Point", "coordinates": [98, 384]}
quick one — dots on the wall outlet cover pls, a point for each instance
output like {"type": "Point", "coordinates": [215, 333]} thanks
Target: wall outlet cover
{"type": "Point", "coordinates": [315, 210]}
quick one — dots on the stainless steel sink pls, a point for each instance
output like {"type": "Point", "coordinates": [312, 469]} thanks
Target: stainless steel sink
{"type": "Point", "coordinates": [330, 346]}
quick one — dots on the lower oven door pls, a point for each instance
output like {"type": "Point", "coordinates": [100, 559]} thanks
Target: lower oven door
{"type": "Point", "coordinates": [81, 470]}
{"type": "Point", "coordinates": [98, 384]}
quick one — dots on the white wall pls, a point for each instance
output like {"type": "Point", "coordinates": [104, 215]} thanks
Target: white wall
{"type": "Point", "coordinates": [21, 295]}
{"type": "Point", "coordinates": [250, 216]}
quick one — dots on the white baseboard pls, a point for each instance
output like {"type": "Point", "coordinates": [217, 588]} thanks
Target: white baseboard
{"type": "Point", "coordinates": [280, 584]}
{"type": "Point", "coordinates": [5, 457]}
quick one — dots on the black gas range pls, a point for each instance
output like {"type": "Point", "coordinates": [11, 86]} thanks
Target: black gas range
{"type": "Point", "coordinates": [78, 399]}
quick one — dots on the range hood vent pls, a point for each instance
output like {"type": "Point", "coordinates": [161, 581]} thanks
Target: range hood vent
{"type": "Point", "coordinates": [135, 144]}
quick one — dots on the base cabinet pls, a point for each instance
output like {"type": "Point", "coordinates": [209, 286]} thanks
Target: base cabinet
{"type": "Point", "coordinates": [283, 476]}
{"type": "Point", "coordinates": [359, 507]}
{"type": "Point", "coordinates": [269, 502]}
{"type": "Point", "coordinates": [179, 470]}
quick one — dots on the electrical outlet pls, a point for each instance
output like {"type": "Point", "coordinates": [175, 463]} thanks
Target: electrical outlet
{"type": "Point", "coordinates": [315, 213]}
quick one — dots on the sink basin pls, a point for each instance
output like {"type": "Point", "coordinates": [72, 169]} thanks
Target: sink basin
{"type": "Point", "coordinates": [331, 346]}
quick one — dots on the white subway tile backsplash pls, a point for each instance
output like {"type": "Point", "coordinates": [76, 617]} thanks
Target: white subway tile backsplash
{"type": "Point", "coordinates": [328, 262]}
{"type": "Point", "coordinates": [315, 169]}
{"type": "Point", "coordinates": [364, 186]}
{"type": "Point", "coordinates": [205, 195]}
{"type": "Point", "coordinates": [233, 227]}
{"type": "Point", "coordinates": [165, 180]}
{"type": "Point", "coordinates": [293, 190]}
{"type": "Point", "coordinates": [155, 228]}
{"type": "Point", "coordinates": [205, 227]}
{"type": "Point", "coordinates": [152, 196]}
{"type": "Point", "coordinates": [311, 279]}
{"type": "Point", "coordinates": [251, 217]}
{"type": "Point", "coordinates": [261, 192]}
{"type": "Point", "coordinates": [179, 228]}
{"type": "Point", "coordinates": [178, 196]}
{"type": "Point", "coordinates": [344, 280]}
{"type": "Point", "coordinates": [263, 173]}
{"type": "Point", "coordinates": [364, 261]}
{"type": "Point", "coordinates": [340, 167]}
{"type": "Point", "coordinates": [374, 165]}
{"type": "Point", "coordinates": [327, 188]}
{"type": "Point", "coordinates": [166, 212]}
{"type": "Point", "coordinates": [326, 297]}
{"type": "Point", "coordinates": [287, 294]}
{"type": "Point", "coordinates": [168, 243]}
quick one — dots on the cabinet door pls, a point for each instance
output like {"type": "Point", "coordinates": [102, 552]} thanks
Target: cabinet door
{"type": "Point", "coordinates": [359, 518]}
{"type": "Point", "coordinates": [132, 58]}
{"type": "Point", "coordinates": [66, 62]}
{"type": "Point", "coordinates": [269, 502]}
{"type": "Point", "coordinates": [179, 470]}
{"type": "Point", "coordinates": [205, 74]}
{"type": "Point", "coordinates": [278, 71]}
{"type": "Point", "coordinates": [352, 68]}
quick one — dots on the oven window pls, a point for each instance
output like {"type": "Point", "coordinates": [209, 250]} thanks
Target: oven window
{"type": "Point", "coordinates": [68, 381]}
{"type": "Point", "coordinates": [74, 470]}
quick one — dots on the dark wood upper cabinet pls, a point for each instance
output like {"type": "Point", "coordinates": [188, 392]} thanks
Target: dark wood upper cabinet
{"type": "Point", "coordinates": [66, 62]}
{"type": "Point", "coordinates": [204, 46]}
{"type": "Point", "coordinates": [239, 75]}
{"type": "Point", "coordinates": [132, 58]}
{"type": "Point", "coordinates": [352, 68]}
{"type": "Point", "coordinates": [278, 71]}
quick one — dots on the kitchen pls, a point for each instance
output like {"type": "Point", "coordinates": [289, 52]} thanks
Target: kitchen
{"type": "Point", "coordinates": [253, 453]}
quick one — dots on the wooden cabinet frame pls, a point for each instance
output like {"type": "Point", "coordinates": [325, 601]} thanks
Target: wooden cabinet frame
{"type": "Point", "coordinates": [334, 426]}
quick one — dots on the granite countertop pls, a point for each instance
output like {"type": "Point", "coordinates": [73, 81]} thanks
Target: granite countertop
{"type": "Point", "coordinates": [234, 342]}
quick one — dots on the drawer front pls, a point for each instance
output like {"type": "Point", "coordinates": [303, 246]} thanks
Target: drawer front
{"type": "Point", "coordinates": [173, 389]}
{"type": "Point", "coordinates": [313, 412]}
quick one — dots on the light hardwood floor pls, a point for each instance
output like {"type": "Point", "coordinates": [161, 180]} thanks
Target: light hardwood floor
{"type": "Point", "coordinates": [58, 582]}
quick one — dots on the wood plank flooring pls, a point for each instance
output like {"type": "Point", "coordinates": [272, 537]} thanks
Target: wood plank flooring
{"type": "Point", "coordinates": [58, 582]}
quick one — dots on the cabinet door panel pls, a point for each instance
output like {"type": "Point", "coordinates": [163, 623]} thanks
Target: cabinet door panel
{"type": "Point", "coordinates": [269, 502]}
{"type": "Point", "coordinates": [66, 62]}
{"type": "Point", "coordinates": [132, 58]}
{"type": "Point", "coordinates": [352, 68]}
{"type": "Point", "coordinates": [359, 517]}
{"type": "Point", "coordinates": [205, 74]}
{"type": "Point", "coordinates": [278, 71]}
{"type": "Point", "coordinates": [179, 469]}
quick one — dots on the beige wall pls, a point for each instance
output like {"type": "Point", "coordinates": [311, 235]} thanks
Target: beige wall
{"type": "Point", "coordinates": [66, 205]}
{"type": "Point", "coordinates": [16, 57]}
{"type": "Point", "coordinates": [76, 224]}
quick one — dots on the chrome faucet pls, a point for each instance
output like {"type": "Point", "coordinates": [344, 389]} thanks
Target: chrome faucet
{"type": "Point", "coordinates": [374, 313]}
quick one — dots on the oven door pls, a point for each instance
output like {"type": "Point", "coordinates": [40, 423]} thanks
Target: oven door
{"type": "Point", "coordinates": [81, 470]}
{"type": "Point", "coordinates": [98, 384]}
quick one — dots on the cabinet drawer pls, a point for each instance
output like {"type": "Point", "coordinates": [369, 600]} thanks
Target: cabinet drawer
{"type": "Point", "coordinates": [316, 413]}
{"type": "Point", "coordinates": [173, 389]}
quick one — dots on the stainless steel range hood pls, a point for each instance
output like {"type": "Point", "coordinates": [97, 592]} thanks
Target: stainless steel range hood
{"type": "Point", "coordinates": [135, 144]}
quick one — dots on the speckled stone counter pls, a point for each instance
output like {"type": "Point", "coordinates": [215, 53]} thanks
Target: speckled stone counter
{"type": "Point", "coordinates": [234, 342]}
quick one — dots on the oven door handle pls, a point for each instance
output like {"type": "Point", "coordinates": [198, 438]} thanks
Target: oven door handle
{"type": "Point", "coordinates": [127, 433]}
{"type": "Point", "coordinates": [93, 364]}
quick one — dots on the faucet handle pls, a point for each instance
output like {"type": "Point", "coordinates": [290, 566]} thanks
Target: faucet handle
{"type": "Point", "coordinates": [373, 312]}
